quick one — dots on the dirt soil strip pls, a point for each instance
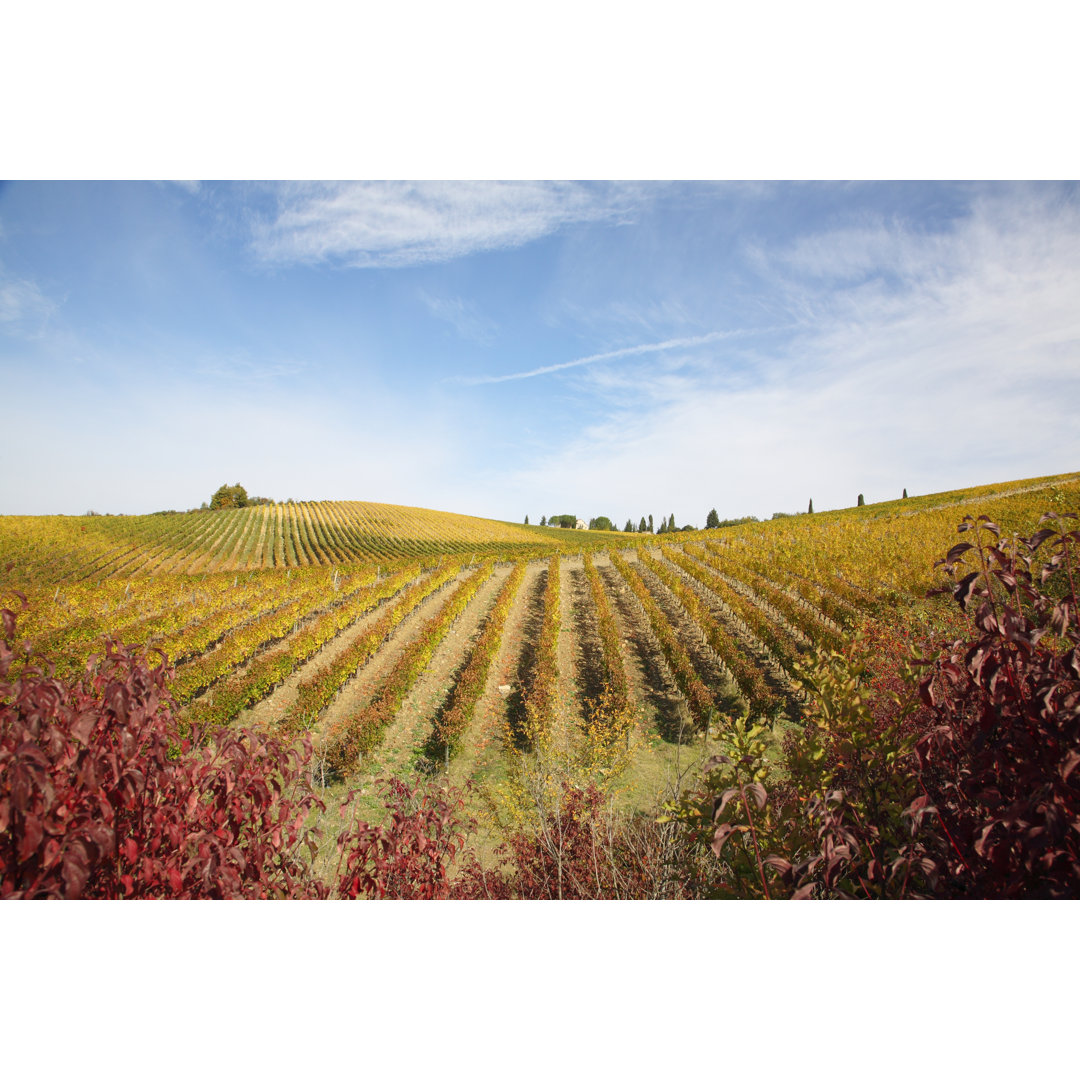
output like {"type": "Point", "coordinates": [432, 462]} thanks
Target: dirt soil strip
{"type": "Point", "coordinates": [269, 711]}
{"type": "Point", "coordinates": [569, 697]}
{"type": "Point", "coordinates": [412, 724]}
{"type": "Point", "coordinates": [510, 669]}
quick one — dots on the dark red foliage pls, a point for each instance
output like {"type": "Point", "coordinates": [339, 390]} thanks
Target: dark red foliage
{"type": "Point", "coordinates": [410, 857]}
{"type": "Point", "coordinates": [1001, 766]}
{"type": "Point", "coordinates": [996, 766]}
{"type": "Point", "coordinates": [890, 648]}
{"type": "Point", "coordinates": [101, 798]}
{"type": "Point", "coordinates": [579, 850]}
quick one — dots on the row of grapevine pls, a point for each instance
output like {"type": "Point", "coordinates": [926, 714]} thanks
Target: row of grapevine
{"type": "Point", "coordinates": [830, 594]}
{"type": "Point", "coordinates": [806, 618]}
{"type": "Point", "coordinates": [779, 643]}
{"type": "Point", "coordinates": [362, 728]}
{"type": "Point", "coordinates": [744, 671]}
{"type": "Point", "coordinates": [454, 718]}
{"type": "Point", "coordinates": [269, 669]}
{"type": "Point", "coordinates": [312, 607]}
{"type": "Point", "coordinates": [539, 698]}
{"type": "Point", "coordinates": [178, 620]}
{"type": "Point", "coordinates": [316, 692]}
{"type": "Point", "coordinates": [611, 714]}
{"type": "Point", "coordinates": [698, 697]}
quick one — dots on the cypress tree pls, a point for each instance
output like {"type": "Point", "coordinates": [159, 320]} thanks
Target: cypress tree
{"type": "Point", "coordinates": [650, 523]}
{"type": "Point", "coordinates": [862, 501]}
{"type": "Point", "coordinates": [629, 526]}
{"type": "Point", "coordinates": [905, 494]}
{"type": "Point", "coordinates": [526, 519]}
{"type": "Point", "coordinates": [671, 524]}
{"type": "Point", "coordinates": [713, 520]}
{"type": "Point", "coordinates": [642, 527]}
{"type": "Point", "coordinates": [543, 519]}
{"type": "Point", "coordinates": [810, 509]}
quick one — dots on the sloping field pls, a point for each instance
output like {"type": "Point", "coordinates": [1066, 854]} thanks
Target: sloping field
{"type": "Point", "coordinates": [405, 639]}
{"type": "Point", "coordinates": [55, 549]}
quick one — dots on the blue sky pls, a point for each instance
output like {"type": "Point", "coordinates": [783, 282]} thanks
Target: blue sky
{"type": "Point", "coordinates": [540, 348]}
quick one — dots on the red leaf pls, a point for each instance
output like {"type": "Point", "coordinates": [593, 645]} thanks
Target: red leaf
{"type": "Point", "coordinates": [75, 872]}
{"type": "Point", "coordinates": [30, 838]}
{"type": "Point", "coordinates": [1036, 541]}
{"type": "Point", "coordinates": [720, 838]}
{"type": "Point", "coordinates": [761, 796]}
{"type": "Point", "coordinates": [926, 691]}
{"type": "Point", "coordinates": [963, 589]}
{"type": "Point", "coordinates": [720, 803]}
{"type": "Point", "coordinates": [956, 551]}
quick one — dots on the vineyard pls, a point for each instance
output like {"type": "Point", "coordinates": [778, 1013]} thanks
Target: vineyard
{"type": "Point", "coordinates": [97, 547]}
{"type": "Point", "coordinates": [405, 642]}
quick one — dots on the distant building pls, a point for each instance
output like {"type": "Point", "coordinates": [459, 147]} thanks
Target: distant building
{"type": "Point", "coordinates": [580, 524]}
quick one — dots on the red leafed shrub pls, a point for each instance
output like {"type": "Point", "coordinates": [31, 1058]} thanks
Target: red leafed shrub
{"type": "Point", "coordinates": [1001, 766]}
{"type": "Point", "coordinates": [410, 857]}
{"type": "Point", "coordinates": [974, 793]}
{"type": "Point", "coordinates": [100, 797]}
{"type": "Point", "coordinates": [579, 850]}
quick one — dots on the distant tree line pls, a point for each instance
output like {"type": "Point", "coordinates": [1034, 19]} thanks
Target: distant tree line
{"type": "Point", "coordinates": [605, 524]}
{"type": "Point", "coordinates": [667, 524]}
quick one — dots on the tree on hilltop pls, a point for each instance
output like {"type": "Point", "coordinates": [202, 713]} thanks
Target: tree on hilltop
{"type": "Point", "coordinates": [629, 526]}
{"type": "Point", "coordinates": [713, 520]}
{"type": "Point", "coordinates": [642, 526]}
{"type": "Point", "coordinates": [227, 498]}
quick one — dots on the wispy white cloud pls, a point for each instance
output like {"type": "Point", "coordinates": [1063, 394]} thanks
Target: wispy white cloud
{"type": "Point", "coordinates": [24, 308]}
{"type": "Point", "coordinates": [395, 224]}
{"type": "Point", "coordinates": [921, 360]}
{"type": "Point", "coordinates": [595, 358]}
{"type": "Point", "coordinates": [192, 187]}
{"type": "Point", "coordinates": [463, 316]}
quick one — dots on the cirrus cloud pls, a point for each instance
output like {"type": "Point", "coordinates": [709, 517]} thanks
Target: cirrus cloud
{"type": "Point", "coordinates": [398, 223]}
